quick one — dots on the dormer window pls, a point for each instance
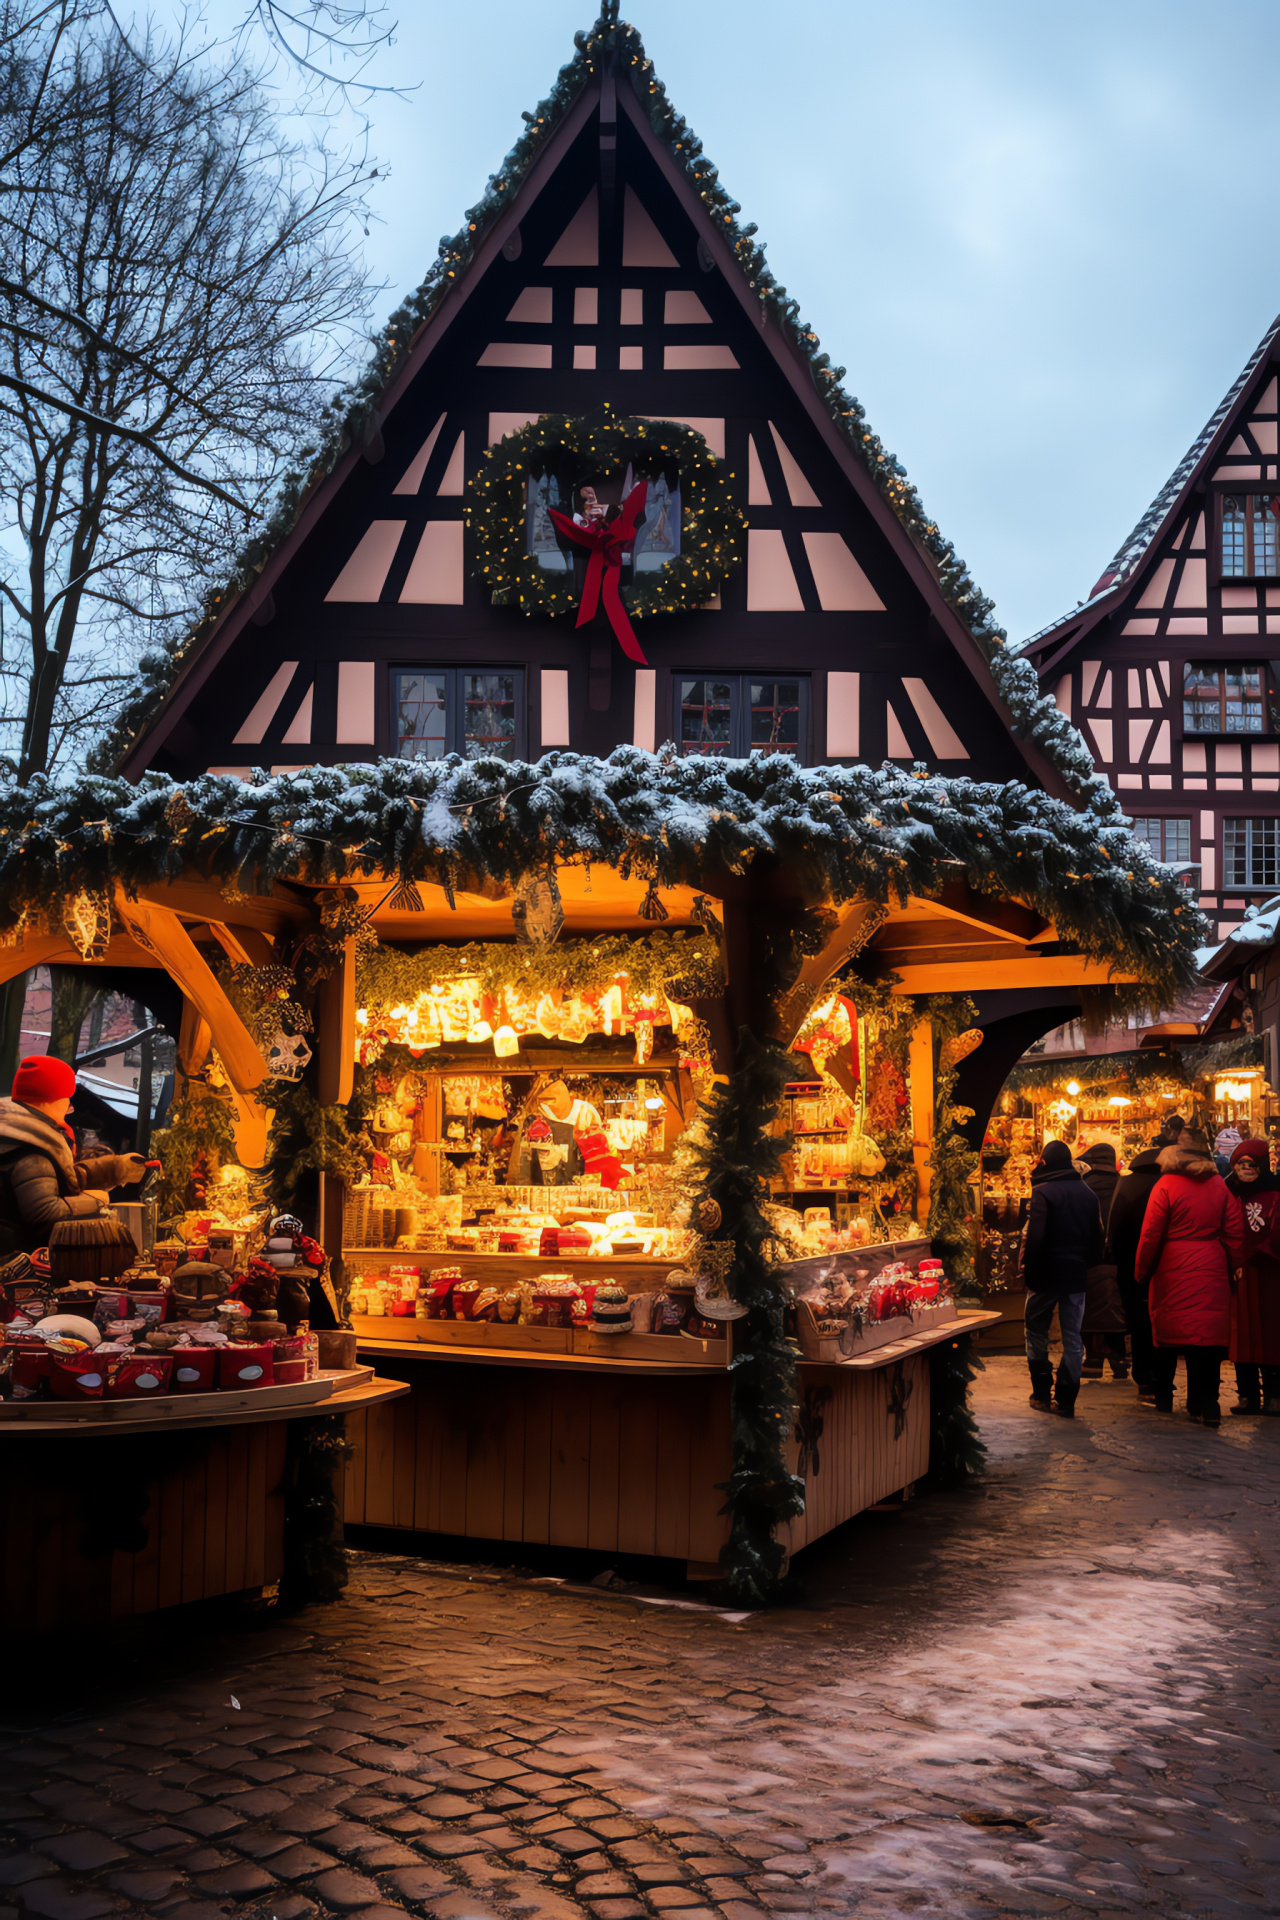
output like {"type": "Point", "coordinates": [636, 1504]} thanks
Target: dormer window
{"type": "Point", "coordinates": [1249, 544]}
{"type": "Point", "coordinates": [1218, 699]}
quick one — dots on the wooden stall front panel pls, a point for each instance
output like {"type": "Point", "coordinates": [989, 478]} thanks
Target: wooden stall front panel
{"type": "Point", "coordinates": [618, 1464]}
{"type": "Point", "coordinates": [863, 1434]}
{"type": "Point", "coordinates": [214, 1522]}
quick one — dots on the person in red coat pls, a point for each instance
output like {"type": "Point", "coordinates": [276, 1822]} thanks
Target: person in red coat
{"type": "Point", "coordinates": [1255, 1303]}
{"type": "Point", "coordinates": [1191, 1244]}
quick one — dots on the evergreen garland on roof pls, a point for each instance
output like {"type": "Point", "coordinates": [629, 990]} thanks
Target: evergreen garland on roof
{"type": "Point", "coordinates": [613, 44]}
{"type": "Point", "coordinates": [844, 832]}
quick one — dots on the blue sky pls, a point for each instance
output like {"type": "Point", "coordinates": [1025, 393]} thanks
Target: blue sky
{"type": "Point", "coordinates": [1043, 240]}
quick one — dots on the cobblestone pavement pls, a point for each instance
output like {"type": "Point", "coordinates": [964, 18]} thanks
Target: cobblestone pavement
{"type": "Point", "coordinates": [1054, 1694]}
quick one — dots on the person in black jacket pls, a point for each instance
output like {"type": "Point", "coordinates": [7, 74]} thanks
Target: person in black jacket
{"type": "Point", "coordinates": [1124, 1229]}
{"type": "Point", "coordinates": [1103, 1333]}
{"type": "Point", "coordinates": [1064, 1239]}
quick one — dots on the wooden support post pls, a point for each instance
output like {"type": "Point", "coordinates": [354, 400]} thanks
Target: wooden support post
{"type": "Point", "coordinates": [920, 1069]}
{"type": "Point", "coordinates": [336, 1031]}
{"type": "Point", "coordinates": [856, 926]}
{"type": "Point", "coordinates": [161, 931]}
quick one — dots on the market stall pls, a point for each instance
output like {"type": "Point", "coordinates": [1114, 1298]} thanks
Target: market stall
{"type": "Point", "coordinates": [609, 1103]}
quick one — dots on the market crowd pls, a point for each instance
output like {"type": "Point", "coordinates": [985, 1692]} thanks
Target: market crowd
{"type": "Point", "coordinates": [1180, 1256]}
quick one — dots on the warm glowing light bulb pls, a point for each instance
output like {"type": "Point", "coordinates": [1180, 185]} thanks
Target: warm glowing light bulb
{"type": "Point", "coordinates": [1073, 1086]}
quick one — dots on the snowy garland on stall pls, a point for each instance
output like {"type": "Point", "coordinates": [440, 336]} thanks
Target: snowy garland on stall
{"type": "Point", "coordinates": [613, 46]}
{"type": "Point", "coordinates": [842, 832]}
{"type": "Point", "coordinates": [597, 447]}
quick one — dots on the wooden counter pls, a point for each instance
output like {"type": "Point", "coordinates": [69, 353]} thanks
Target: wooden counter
{"type": "Point", "coordinates": [621, 1457]}
{"type": "Point", "coordinates": [181, 1504]}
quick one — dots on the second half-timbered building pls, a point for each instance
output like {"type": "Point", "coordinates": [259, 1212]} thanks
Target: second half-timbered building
{"type": "Point", "coordinates": [1171, 667]}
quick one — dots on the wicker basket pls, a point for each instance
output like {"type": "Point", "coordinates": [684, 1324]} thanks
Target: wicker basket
{"type": "Point", "coordinates": [96, 1248]}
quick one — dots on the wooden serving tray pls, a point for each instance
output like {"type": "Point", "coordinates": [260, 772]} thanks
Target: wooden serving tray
{"type": "Point", "coordinates": [881, 1333]}
{"type": "Point", "coordinates": [171, 1406]}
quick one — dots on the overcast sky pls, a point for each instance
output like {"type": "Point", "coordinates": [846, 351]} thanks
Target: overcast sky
{"type": "Point", "coordinates": [1042, 239]}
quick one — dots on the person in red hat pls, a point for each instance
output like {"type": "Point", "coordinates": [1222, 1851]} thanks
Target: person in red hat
{"type": "Point", "coordinates": [1255, 1302]}
{"type": "Point", "coordinates": [40, 1180]}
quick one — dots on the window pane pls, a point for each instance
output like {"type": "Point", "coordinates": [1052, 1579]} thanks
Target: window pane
{"type": "Point", "coordinates": [1243, 687]}
{"type": "Point", "coordinates": [1233, 560]}
{"type": "Point", "coordinates": [775, 716]}
{"type": "Point", "coordinates": [1266, 506]}
{"type": "Point", "coordinates": [1201, 699]}
{"type": "Point", "coordinates": [420, 715]}
{"type": "Point", "coordinates": [489, 716]}
{"type": "Point", "coordinates": [1177, 839]}
{"type": "Point", "coordinates": [1149, 830]}
{"type": "Point", "coordinates": [1249, 850]}
{"type": "Point", "coordinates": [706, 713]}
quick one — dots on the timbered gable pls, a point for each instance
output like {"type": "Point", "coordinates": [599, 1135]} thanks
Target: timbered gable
{"type": "Point", "coordinates": [370, 630]}
{"type": "Point", "coordinates": [1168, 668]}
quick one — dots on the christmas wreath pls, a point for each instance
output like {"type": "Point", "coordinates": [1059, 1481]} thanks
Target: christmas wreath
{"type": "Point", "coordinates": [548, 539]}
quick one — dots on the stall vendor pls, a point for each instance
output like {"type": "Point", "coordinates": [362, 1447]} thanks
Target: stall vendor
{"type": "Point", "coordinates": [564, 1137]}
{"type": "Point", "coordinates": [41, 1181]}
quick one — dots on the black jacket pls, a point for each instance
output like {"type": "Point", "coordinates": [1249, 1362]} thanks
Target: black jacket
{"type": "Point", "coordinates": [1064, 1233]}
{"type": "Point", "coordinates": [1128, 1208]}
{"type": "Point", "coordinates": [1102, 1183]}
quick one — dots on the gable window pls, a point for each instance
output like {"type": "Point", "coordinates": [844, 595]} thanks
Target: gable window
{"type": "Point", "coordinates": [739, 714]}
{"type": "Point", "coordinates": [1249, 543]}
{"type": "Point", "coordinates": [1169, 839]}
{"type": "Point", "coordinates": [1218, 699]}
{"type": "Point", "coordinates": [440, 710]}
{"type": "Point", "coordinates": [1251, 853]}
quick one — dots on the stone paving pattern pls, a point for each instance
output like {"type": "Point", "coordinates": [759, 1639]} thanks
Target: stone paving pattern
{"type": "Point", "coordinates": [1053, 1694]}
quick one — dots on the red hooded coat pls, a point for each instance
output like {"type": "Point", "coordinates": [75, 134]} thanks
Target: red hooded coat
{"type": "Point", "coordinates": [1192, 1241]}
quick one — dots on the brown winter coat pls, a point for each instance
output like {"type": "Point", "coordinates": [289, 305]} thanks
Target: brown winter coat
{"type": "Point", "coordinates": [1192, 1240]}
{"type": "Point", "coordinates": [39, 1181]}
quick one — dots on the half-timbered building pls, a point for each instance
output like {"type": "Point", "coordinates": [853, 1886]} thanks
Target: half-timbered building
{"type": "Point", "coordinates": [606, 274]}
{"type": "Point", "coordinates": [1171, 667]}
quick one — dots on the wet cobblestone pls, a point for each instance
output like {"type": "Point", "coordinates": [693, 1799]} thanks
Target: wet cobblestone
{"type": "Point", "coordinates": [1056, 1693]}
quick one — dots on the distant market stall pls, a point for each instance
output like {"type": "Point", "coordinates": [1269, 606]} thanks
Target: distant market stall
{"type": "Point", "coordinates": [1122, 1099]}
{"type": "Point", "coordinates": [619, 1095]}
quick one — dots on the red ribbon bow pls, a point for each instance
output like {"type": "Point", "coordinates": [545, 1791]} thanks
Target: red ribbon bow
{"type": "Point", "coordinates": [606, 543]}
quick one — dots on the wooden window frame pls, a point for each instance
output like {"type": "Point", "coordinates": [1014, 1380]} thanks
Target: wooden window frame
{"type": "Point", "coordinates": [1248, 821]}
{"type": "Point", "coordinates": [1221, 668]}
{"type": "Point", "coordinates": [739, 745]}
{"type": "Point", "coordinates": [455, 736]}
{"type": "Point", "coordinates": [1248, 493]}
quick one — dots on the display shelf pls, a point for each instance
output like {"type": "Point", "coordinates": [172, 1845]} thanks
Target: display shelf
{"type": "Point", "coordinates": [965, 1322]}
{"type": "Point", "coordinates": [572, 1363]}
{"type": "Point", "coordinates": [329, 1393]}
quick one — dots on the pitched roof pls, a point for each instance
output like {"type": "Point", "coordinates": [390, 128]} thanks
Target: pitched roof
{"type": "Point", "coordinates": [614, 48]}
{"type": "Point", "coordinates": [1121, 569]}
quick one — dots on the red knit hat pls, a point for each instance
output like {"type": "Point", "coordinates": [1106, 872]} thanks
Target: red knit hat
{"type": "Point", "coordinates": [1253, 1150]}
{"type": "Point", "coordinates": [40, 1077]}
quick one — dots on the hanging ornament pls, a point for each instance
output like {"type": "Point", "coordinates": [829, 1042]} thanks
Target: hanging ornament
{"type": "Point", "coordinates": [86, 919]}
{"type": "Point", "coordinates": [287, 1055]}
{"type": "Point", "coordinates": [706, 1214]}
{"type": "Point", "coordinates": [537, 911]}
{"type": "Point", "coordinates": [645, 1018]}
{"type": "Point", "coordinates": [506, 1042]}
{"type": "Point", "coordinates": [959, 1047]}
{"type": "Point", "coordinates": [651, 907]}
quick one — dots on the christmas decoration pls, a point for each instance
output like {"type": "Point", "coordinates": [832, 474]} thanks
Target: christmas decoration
{"type": "Point", "coordinates": [736, 1161]}
{"type": "Point", "coordinates": [537, 912]}
{"type": "Point", "coordinates": [843, 832]}
{"type": "Point", "coordinates": [596, 448]}
{"type": "Point", "coordinates": [287, 1055]}
{"type": "Point", "coordinates": [86, 919]}
{"type": "Point", "coordinates": [608, 543]}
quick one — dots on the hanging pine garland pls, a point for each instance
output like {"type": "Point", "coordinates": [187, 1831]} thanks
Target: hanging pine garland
{"type": "Point", "coordinates": [598, 447]}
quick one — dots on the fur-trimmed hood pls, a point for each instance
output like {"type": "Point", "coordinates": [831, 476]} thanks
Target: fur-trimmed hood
{"type": "Point", "coordinates": [1195, 1162]}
